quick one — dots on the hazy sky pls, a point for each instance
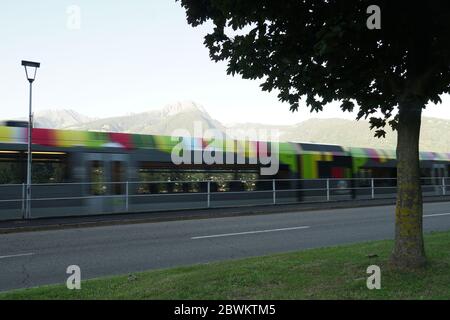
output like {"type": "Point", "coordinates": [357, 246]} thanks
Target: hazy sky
{"type": "Point", "coordinates": [127, 56]}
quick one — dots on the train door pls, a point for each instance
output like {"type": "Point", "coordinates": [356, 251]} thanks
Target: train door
{"type": "Point", "coordinates": [106, 175]}
{"type": "Point", "coordinates": [438, 172]}
{"type": "Point", "coordinates": [118, 170]}
{"type": "Point", "coordinates": [337, 171]}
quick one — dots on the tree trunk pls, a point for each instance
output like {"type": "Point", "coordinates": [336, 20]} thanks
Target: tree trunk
{"type": "Point", "coordinates": [409, 250]}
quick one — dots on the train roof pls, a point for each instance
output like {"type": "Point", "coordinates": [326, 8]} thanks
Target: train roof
{"type": "Point", "coordinates": [92, 139]}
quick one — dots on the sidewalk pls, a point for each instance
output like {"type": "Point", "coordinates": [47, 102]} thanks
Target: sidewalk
{"type": "Point", "coordinates": [15, 226]}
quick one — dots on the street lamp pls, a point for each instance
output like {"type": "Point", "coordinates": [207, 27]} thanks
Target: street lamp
{"type": "Point", "coordinates": [30, 71]}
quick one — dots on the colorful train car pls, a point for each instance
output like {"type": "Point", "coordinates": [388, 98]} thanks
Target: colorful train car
{"type": "Point", "coordinates": [99, 167]}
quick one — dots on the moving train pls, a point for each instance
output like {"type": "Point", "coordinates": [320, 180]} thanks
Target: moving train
{"type": "Point", "coordinates": [84, 172]}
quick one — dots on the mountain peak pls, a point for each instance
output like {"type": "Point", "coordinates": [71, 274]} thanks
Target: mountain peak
{"type": "Point", "coordinates": [182, 106]}
{"type": "Point", "coordinates": [57, 118]}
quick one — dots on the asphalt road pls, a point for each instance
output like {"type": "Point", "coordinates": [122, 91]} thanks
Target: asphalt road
{"type": "Point", "coordinates": [36, 258]}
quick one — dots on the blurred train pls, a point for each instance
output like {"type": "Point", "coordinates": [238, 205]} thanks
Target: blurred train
{"type": "Point", "coordinates": [90, 172]}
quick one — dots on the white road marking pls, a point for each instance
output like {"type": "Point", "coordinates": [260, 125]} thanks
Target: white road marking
{"type": "Point", "coordinates": [283, 229]}
{"type": "Point", "coordinates": [248, 232]}
{"type": "Point", "coordinates": [436, 215]}
{"type": "Point", "coordinates": [17, 255]}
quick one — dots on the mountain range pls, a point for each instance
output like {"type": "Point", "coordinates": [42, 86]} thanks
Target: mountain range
{"type": "Point", "coordinates": [435, 135]}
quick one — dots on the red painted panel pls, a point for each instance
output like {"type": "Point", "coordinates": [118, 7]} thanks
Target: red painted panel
{"type": "Point", "coordinates": [337, 172]}
{"type": "Point", "coordinates": [44, 137]}
{"type": "Point", "coordinates": [122, 138]}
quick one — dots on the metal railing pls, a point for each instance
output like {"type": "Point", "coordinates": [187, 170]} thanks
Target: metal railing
{"type": "Point", "coordinates": [61, 199]}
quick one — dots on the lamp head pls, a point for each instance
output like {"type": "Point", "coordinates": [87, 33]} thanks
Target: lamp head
{"type": "Point", "coordinates": [30, 69]}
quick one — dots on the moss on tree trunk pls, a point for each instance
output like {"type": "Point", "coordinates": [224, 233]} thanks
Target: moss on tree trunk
{"type": "Point", "coordinates": [409, 248]}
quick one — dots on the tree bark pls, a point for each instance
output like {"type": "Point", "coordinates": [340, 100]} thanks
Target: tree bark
{"type": "Point", "coordinates": [409, 249]}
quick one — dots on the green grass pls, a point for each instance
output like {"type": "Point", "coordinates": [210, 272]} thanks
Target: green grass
{"type": "Point", "coordinates": [326, 273]}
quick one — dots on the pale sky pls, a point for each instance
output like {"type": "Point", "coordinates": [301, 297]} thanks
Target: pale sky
{"type": "Point", "coordinates": [126, 57]}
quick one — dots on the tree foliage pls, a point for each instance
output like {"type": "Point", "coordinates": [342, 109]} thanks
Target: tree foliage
{"type": "Point", "coordinates": [323, 51]}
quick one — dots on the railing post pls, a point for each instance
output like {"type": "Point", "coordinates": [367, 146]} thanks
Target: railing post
{"type": "Point", "coordinates": [126, 196]}
{"type": "Point", "coordinates": [23, 201]}
{"type": "Point", "coordinates": [28, 202]}
{"type": "Point", "coordinates": [372, 187]}
{"type": "Point", "coordinates": [274, 191]}
{"type": "Point", "coordinates": [443, 186]}
{"type": "Point", "coordinates": [328, 189]}
{"type": "Point", "coordinates": [208, 197]}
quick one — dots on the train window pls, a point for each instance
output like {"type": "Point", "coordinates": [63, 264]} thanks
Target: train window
{"type": "Point", "coordinates": [173, 180]}
{"type": "Point", "coordinates": [153, 182]}
{"type": "Point", "coordinates": [364, 173]}
{"type": "Point", "coordinates": [188, 176]}
{"type": "Point", "coordinates": [97, 176]}
{"type": "Point", "coordinates": [178, 186]}
{"type": "Point", "coordinates": [426, 174]}
{"type": "Point", "coordinates": [249, 180]}
{"type": "Point", "coordinates": [47, 167]}
{"type": "Point", "coordinates": [49, 172]}
{"type": "Point", "coordinates": [222, 179]}
{"type": "Point", "coordinates": [10, 172]}
{"type": "Point", "coordinates": [364, 178]}
{"type": "Point", "coordinates": [12, 169]}
{"type": "Point", "coordinates": [117, 174]}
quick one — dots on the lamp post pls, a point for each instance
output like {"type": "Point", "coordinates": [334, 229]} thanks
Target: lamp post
{"type": "Point", "coordinates": [30, 71]}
